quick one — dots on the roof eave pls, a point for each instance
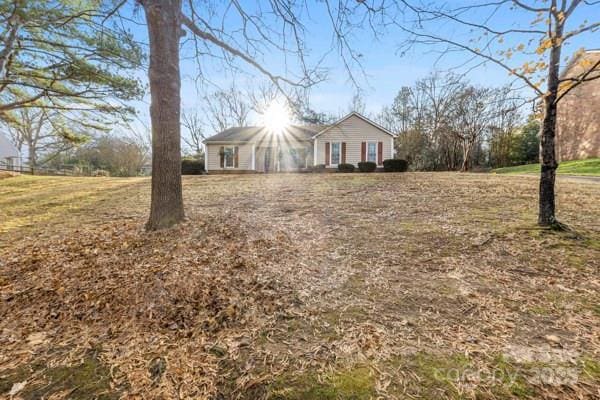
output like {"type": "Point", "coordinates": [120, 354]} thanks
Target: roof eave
{"type": "Point", "coordinates": [226, 141]}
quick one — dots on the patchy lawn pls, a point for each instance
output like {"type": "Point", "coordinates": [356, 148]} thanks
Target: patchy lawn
{"type": "Point", "coordinates": [334, 286]}
{"type": "Point", "coordinates": [589, 167]}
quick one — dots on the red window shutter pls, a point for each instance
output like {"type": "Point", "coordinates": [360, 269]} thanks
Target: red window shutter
{"type": "Point", "coordinates": [235, 157]}
{"type": "Point", "coordinates": [363, 151]}
{"type": "Point", "coordinates": [379, 153]}
{"type": "Point", "coordinates": [326, 153]}
{"type": "Point", "coordinates": [222, 156]}
{"type": "Point", "coordinates": [343, 152]}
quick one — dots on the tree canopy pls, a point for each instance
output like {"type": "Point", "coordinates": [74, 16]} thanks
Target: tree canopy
{"type": "Point", "coordinates": [64, 56]}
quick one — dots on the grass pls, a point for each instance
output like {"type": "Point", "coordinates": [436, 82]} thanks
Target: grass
{"type": "Point", "coordinates": [589, 167]}
{"type": "Point", "coordinates": [354, 384]}
{"type": "Point", "coordinates": [298, 286]}
{"type": "Point", "coordinates": [88, 378]}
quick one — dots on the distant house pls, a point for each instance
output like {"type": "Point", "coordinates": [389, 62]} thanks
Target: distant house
{"type": "Point", "coordinates": [578, 124]}
{"type": "Point", "coordinates": [10, 158]}
{"type": "Point", "coordinates": [352, 139]}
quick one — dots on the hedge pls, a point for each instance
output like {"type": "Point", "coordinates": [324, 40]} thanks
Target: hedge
{"type": "Point", "coordinates": [345, 168]}
{"type": "Point", "coordinates": [192, 167]}
{"type": "Point", "coordinates": [395, 165]}
{"type": "Point", "coordinates": [367, 166]}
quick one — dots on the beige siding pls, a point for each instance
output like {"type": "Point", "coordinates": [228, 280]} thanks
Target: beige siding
{"type": "Point", "coordinates": [214, 159]}
{"type": "Point", "coordinates": [353, 131]}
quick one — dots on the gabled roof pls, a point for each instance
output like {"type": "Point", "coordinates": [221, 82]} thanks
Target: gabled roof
{"type": "Point", "coordinates": [252, 133]}
{"type": "Point", "coordinates": [355, 114]}
{"type": "Point", "coordinates": [242, 134]}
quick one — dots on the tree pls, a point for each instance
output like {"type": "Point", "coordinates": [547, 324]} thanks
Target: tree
{"type": "Point", "coordinates": [443, 121]}
{"type": "Point", "coordinates": [526, 144]}
{"type": "Point", "coordinates": [192, 122]}
{"type": "Point", "coordinates": [504, 127]}
{"type": "Point", "coordinates": [43, 133]}
{"type": "Point", "coordinates": [401, 108]}
{"type": "Point", "coordinates": [59, 55]}
{"type": "Point", "coordinates": [530, 52]}
{"type": "Point", "coordinates": [357, 104]}
{"type": "Point", "coordinates": [226, 108]}
{"type": "Point", "coordinates": [119, 155]}
{"type": "Point", "coordinates": [164, 31]}
{"type": "Point", "coordinates": [472, 118]}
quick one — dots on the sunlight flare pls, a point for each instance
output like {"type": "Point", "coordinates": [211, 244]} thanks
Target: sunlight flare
{"type": "Point", "coordinates": [276, 117]}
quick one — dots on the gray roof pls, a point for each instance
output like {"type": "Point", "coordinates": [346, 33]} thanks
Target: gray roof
{"type": "Point", "coordinates": [252, 133]}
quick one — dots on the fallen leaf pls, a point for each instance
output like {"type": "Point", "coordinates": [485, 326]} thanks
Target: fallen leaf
{"type": "Point", "coordinates": [17, 387]}
{"type": "Point", "coordinates": [36, 338]}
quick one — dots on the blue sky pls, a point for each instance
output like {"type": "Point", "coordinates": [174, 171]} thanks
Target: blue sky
{"type": "Point", "coordinates": [386, 69]}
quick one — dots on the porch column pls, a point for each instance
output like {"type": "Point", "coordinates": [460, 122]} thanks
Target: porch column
{"type": "Point", "coordinates": [277, 154]}
{"type": "Point", "coordinates": [253, 157]}
{"type": "Point", "coordinates": [205, 157]}
{"type": "Point", "coordinates": [315, 153]}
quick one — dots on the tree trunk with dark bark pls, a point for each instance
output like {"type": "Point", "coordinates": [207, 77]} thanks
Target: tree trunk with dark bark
{"type": "Point", "coordinates": [546, 215]}
{"type": "Point", "coordinates": [164, 31]}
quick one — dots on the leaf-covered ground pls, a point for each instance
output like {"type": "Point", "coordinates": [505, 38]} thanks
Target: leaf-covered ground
{"type": "Point", "coordinates": [334, 286]}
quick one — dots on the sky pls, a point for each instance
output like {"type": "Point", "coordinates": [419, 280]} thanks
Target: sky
{"type": "Point", "coordinates": [385, 68]}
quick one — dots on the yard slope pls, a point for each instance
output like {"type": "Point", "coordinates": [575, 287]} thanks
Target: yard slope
{"type": "Point", "coordinates": [299, 287]}
{"type": "Point", "coordinates": [589, 167]}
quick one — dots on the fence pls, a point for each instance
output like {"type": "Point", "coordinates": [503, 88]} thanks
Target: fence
{"type": "Point", "coordinates": [15, 164]}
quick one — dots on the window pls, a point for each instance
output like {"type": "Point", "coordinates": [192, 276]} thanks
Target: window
{"type": "Point", "coordinates": [228, 156]}
{"type": "Point", "coordinates": [335, 153]}
{"type": "Point", "coordinates": [372, 151]}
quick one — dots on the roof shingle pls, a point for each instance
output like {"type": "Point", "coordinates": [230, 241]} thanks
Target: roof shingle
{"type": "Point", "coordinates": [251, 133]}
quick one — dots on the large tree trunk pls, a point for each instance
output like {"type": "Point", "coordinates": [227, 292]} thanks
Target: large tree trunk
{"type": "Point", "coordinates": [164, 31]}
{"type": "Point", "coordinates": [546, 215]}
{"type": "Point", "coordinates": [549, 165]}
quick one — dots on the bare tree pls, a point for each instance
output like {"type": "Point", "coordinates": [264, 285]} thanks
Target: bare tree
{"type": "Point", "coordinates": [443, 120]}
{"type": "Point", "coordinates": [43, 133]}
{"type": "Point", "coordinates": [473, 115]}
{"type": "Point", "coordinates": [506, 122]}
{"type": "Point", "coordinates": [357, 103]}
{"type": "Point", "coordinates": [226, 108]}
{"type": "Point", "coordinates": [434, 103]}
{"type": "Point", "coordinates": [530, 52]}
{"type": "Point", "coordinates": [192, 122]}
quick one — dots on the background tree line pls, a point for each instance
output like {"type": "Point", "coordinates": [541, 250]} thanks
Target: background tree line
{"type": "Point", "coordinates": [446, 123]}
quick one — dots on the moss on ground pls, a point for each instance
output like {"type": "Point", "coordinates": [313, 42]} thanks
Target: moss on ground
{"type": "Point", "coordinates": [591, 369]}
{"type": "Point", "coordinates": [352, 384]}
{"type": "Point", "coordinates": [90, 379]}
{"type": "Point", "coordinates": [456, 376]}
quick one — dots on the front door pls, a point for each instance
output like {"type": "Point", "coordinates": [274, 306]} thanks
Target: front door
{"type": "Point", "coordinates": [268, 159]}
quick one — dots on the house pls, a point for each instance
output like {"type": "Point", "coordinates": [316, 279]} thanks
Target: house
{"type": "Point", "coordinates": [352, 139]}
{"type": "Point", "coordinates": [10, 158]}
{"type": "Point", "coordinates": [578, 119]}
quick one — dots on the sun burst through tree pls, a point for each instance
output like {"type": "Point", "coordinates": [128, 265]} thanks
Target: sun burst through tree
{"type": "Point", "coordinates": [276, 117]}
